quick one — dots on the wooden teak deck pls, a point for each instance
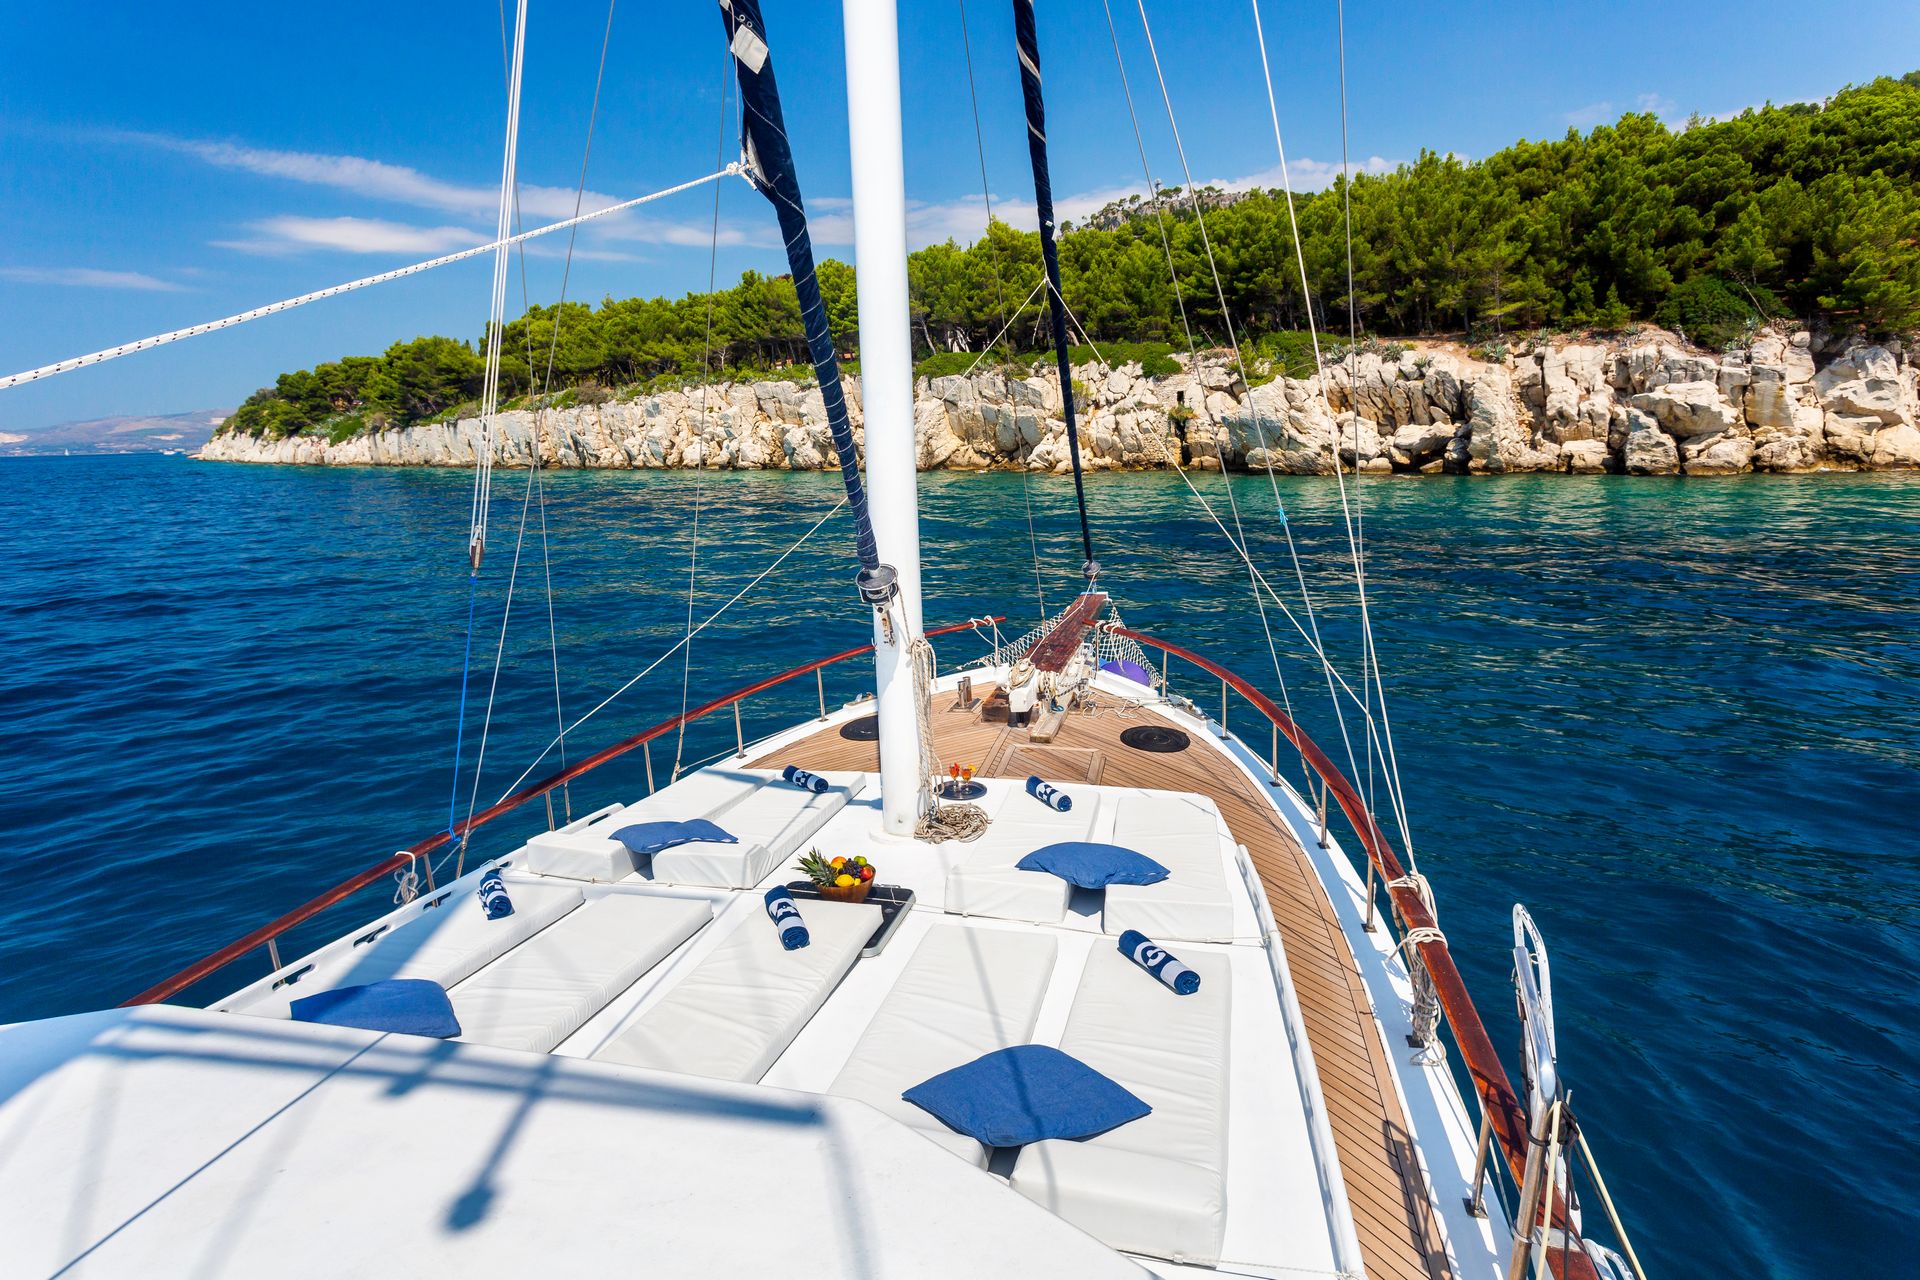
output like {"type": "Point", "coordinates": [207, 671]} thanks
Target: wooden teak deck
{"type": "Point", "coordinates": [1391, 1212]}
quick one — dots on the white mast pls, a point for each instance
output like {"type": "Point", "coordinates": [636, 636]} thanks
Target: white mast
{"type": "Point", "coordinates": [886, 385]}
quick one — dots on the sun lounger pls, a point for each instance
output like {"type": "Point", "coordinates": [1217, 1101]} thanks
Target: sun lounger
{"type": "Point", "coordinates": [585, 849]}
{"type": "Point", "coordinates": [446, 944]}
{"type": "Point", "coordinates": [986, 881]}
{"type": "Point", "coordinates": [964, 993]}
{"type": "Point", "coordinates": [770, 826]}
{"type": "Point", "coordinates": [541, 992]}
{"type": "Point", "coordinates": [1182, 833]}
{"type": "Point", "coordinates": [742, 1003]}
{"type": "Point", "coordinates": [1157, 1185]}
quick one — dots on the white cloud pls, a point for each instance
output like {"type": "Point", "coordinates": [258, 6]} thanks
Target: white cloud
{"type": "Point", "coordinates": [380, 181]}
{"type": "Point", "coordinates": [1594, 113]}
{"type": "Point", "coordinates": [1307, 174]}
{"type": "Point", "coordinates": [292, 233]}
{"type": "Point", "coordinates": [89, 278]}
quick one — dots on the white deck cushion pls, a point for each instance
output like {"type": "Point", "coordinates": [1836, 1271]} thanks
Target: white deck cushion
{"type": "Point", "coordinates": [1155, 1186]}
{"type": "Point", "coordinates": [740, 1007]}
{"type": "Point", "coordinates": [586, 850]}
{"type": "Point", "coordinates": [1182, 833]}
{"type": "Point", "coordinates": [768, 826]}
{"type": "Point", "coordinates": [444, 944]}
{"type": "Point", "coordinates": [988, 883]}
{"type": "Point", "coordinates": [539, 993]}
{"type": "Point", "coordinates": [965, 992]}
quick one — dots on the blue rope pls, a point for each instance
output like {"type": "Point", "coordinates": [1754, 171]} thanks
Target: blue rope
{"type": "Point", "coordinates": [460, 732]}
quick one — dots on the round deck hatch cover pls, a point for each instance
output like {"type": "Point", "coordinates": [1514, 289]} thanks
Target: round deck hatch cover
{"type": "Point", "coordinates": [865, 729]}
{"type": "Point", "coordinates": [1155, 737]}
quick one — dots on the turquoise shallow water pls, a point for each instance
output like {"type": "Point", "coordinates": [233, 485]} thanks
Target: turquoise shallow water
{"type": "Point", "coordinates": [1679, 720]}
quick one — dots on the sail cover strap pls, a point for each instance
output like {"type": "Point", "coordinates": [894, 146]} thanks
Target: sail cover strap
{"type": "Point", "coordinates": [770, 168]}
{"type": "Point", "coordinates": [1027, 45]}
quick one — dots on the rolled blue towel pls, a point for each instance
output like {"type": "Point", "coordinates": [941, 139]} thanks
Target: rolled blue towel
{"type": "Point", "coordinates": [493, 896]}
{"type": "Point", "coordinates": [1049, 795]}
{"type": "Point", "coordinates": [805, 781]}
{"type": "Point", "coordinates": [1142, 950]}
{"type": "Point", "coordinates": [786, 918]}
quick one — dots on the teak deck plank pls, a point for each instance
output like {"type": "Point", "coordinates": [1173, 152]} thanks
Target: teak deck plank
{"type": "Point", "coordinates": [1391, 1213]}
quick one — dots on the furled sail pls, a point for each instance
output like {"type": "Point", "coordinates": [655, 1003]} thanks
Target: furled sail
{"type": "Point", "coordinates": [770, 168]}
{"type": "Point", "coordinates": [1027, 45]}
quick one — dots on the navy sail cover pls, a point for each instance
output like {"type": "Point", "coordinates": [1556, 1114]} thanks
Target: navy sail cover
{"type": "Point", "coordinates": [770, 168]}
{"type": "Point", "coordinates": [1027, 45]}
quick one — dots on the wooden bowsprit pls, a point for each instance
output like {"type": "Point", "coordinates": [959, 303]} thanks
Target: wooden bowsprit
{"type": "Point", "coordinates": [1052, 652]}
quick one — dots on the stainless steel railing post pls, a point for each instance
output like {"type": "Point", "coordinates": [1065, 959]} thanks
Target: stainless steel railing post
{"type": "Point", "coordinates": [820, 682]}
{"type": "Point", "coordinates": [1477, 1200]}
{"type": "Point", "coordinates": [739, 738]}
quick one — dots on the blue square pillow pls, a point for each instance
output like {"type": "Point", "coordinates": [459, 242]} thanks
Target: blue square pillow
{"type": "Point", "coordinates": [409, 1006]}
{"type": "Point", "coordinates": [1094, 866]}
{"type": "Point", "coordinates": [1026, 1093]}
{"type": "Point", "coordinates": [646, 838]}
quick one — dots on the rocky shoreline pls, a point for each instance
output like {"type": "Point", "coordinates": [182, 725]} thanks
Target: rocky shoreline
{"type": "Point", "coordinates": [1646, 404]}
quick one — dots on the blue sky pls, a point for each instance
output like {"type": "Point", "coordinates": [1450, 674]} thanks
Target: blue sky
{"type": "Point", "coordinates": [165, 165]}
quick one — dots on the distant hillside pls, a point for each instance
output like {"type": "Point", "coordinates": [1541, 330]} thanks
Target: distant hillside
{"type": "Point", "coordinates": [135, 434]}
{"type": "Point", "coordinates": [1807, 211]}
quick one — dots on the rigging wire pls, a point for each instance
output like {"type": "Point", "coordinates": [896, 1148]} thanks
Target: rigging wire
{"type": "Point", "coordinates": [699, 486]}
{"type": "Point", "coordinates": [678, 644]}
{"type": "Point", "coordinates": [496, 314]}
{"type": "Point", "coordinates": [1233, 340]}
{"type": "Point", "coordinates": [483, 455]}
{"type": "Point", "coordinates": [1000, 295]}
{"type": "Point", "coordinates": [1395, 792]}
{"type": "Point", "coordinates": [1193, 353]}
{"type": "Point", "coordinates": [1368, 659]}
{"type": "Point", "coordinates": [534, 485]}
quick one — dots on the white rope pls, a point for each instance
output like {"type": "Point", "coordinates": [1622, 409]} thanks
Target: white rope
{"type": "Point", "coordinates": [678, 644]}
{"type": "Point", "coordinates": [938, 822]}
{"type": "Point", "coordinates": [228, 322]}
{"type": "Point", "coordinates": [407, 880]}
{"type": "Point", "coordinates": [1395, 793]}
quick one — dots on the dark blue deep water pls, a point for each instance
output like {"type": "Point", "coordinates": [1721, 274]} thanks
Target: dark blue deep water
{"type": "Point", "coordinates": [1680, 720]}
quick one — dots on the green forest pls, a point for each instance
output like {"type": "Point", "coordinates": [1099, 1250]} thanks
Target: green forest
{"type": "Point", "coordinates": [1808, 210]}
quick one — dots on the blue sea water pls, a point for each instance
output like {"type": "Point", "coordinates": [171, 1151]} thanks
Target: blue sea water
{"type": "Point", "coordinates": [1679, 720]}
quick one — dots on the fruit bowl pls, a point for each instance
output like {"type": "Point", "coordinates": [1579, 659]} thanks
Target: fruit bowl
{"type": "Point", "coordinates": [842, 879]}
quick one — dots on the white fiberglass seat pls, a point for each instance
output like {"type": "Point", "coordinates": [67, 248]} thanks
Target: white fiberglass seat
{"type": "Point", "coordinates": [585, 849]}
{"type": "Point", "coordinates": [445, 942]}
{"type": "Point", "coordinates": [768, 825]}
{"type": "Point", "coordinates": [1183, 833]}
{"type": "Point", "coordinates": [736, 1011]}
{"type": "Point", "coordinates": [1158, 1185]}
{"type": "Point", "coordinates": [988, 882]}
{"type": "Point", "coordinates": [540, 993]}
{"type": "Point", "coordinates": [965, 992]}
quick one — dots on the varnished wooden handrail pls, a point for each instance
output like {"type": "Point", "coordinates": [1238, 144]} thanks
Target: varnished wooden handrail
{"type": "Point", "coordinates": [226, 955]}
{"type": "Point", "coordinates": [1490, 1082]}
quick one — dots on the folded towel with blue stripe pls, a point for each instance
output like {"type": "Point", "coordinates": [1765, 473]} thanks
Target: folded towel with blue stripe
{"type": "Point", "coordinates": [785, 914]}
{"type": "Point", "coordinates": [492, 892]}
{"type": "Point", "coordinates": [805, 781]}
{"type": "Point", "coordinates": [1155, 959]}
{"type": "Point", "coordinates": [1049, 795]}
